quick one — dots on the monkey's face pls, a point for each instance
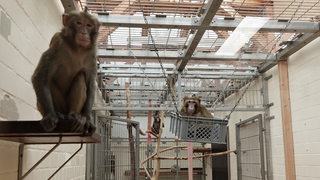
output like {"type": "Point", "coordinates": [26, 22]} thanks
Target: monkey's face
{"type": "Point", "coordinates": [80, 29]}
{"type": "Point", "coordinates": [156, 118]}
{"type": "Point", "coordinates": [83, 30]}
{"type": "Point", "coordinates": [191, 106]}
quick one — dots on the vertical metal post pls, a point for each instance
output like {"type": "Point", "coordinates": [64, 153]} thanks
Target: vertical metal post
{"type": "Point", "coordinates": [89, 162]}
{"type": "Point", "coordinates": [266, 124]}
{"type": "Point", "coordinates": [179, 90]}
{"type": "Point", "coordinates": [239, 168]}
{"type": "Point", "coordinates": [137, 151]}
{"type": "Point", "coordinates": [94, 150]}
{"type": "Point", "coordinates": [261, 147]}
{"type": "Point", "coordinates": [108, 141]}
{"type": "Point", "coordinates": [20, 161]}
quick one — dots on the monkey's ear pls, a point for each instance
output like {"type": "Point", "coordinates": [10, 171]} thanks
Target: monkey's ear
{"type": "Point", "coordinates": [65, 17]}
{"type": "Point", "coordinates": [185, 98]}
{"type": "Point", "coordinates": [198, 98]}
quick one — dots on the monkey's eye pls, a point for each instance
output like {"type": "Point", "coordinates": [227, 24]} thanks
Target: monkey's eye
{"type": "Point", "coordinates": [89, 26]}
{"type": "Point", "coordinates": [79, 23]}
{"type": "Point", "coordinates": [191, 102]}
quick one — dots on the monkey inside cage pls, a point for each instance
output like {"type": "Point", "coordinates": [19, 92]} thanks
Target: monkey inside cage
{"type": "Point", "coordinates": [117, 156]}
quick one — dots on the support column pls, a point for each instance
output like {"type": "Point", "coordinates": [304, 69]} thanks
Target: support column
{"type": "Point", "coordinates": [286, 120]}
{"type": "Point", "coordinates": [190, 165]}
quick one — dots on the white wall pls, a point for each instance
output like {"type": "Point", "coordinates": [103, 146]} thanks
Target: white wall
{"type": "Point", "coordinates": [25, 31]}
{"type": "Point", "coordinates": [304, 81]}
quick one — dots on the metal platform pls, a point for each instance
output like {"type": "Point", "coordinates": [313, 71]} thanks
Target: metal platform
{"type": "Point", "coordinates": [31, 132]}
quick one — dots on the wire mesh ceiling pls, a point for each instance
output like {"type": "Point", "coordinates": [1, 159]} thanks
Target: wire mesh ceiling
{"type": "Point", "coordinates": [211, 43]}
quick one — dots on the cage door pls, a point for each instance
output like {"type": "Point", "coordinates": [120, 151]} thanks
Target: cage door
{"type": "Point", "coordinates": [250, 149]}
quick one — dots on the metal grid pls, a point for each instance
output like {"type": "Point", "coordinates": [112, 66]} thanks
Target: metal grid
{"type": "Point", "coordinates": [287, 10]}
{"type": "Point", "coordinates": [214, 94]}
{"type": "Point", "coordinates": [114, 158]}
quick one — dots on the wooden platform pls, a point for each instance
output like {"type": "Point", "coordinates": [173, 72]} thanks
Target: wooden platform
{"type": "Point", "coordinates": [31, 132]}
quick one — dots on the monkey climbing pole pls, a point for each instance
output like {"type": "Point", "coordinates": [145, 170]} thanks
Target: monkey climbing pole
{"type": "Point", "coordinates": [31, 132]}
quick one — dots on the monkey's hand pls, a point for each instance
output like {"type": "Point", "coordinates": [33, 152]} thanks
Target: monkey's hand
{"type": "Point", "coordinates": [49, 122]}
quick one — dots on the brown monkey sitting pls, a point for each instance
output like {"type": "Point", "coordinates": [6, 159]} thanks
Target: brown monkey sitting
{"type": "Point", "coordinates": [64, 80]}
{"type": "Point", "coordinates": [193, 107]}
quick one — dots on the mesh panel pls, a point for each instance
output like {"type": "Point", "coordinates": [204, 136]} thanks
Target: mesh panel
{"type": "Point", "coordinates": [199, 129]}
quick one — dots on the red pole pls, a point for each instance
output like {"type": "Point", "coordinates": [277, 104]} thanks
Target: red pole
{"type": "Point", "coordinates": [149, 122]}
{"type": "Point", "coordinates": [190, 155]}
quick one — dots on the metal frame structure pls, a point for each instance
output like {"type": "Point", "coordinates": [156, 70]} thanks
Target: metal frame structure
{"type": "Point", "coordinates": [147, 41]}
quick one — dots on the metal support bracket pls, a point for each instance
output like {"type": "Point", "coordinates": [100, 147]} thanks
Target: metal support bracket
{"type": "Point", "coordinates": [20, 176]}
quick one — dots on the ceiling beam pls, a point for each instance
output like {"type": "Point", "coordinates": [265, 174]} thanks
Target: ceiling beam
{"type": "Point", "coordinates": [191, 73]}
{"type": "Point", "coordinates": [194, 23]}
{"type": "Point", "coordinates": [205, 20]}
{"type": "Point", "coordinates": [297, 44]}
{"type": "Point", "coordinates": [137, 108]}
{"type": "Point", "coordinates": [290, 48]}
{"type": "Point", "coordinates": [151, 88]}
{"type": "Point", "coordinates": [189, 76]}
{"type": "Point", "coordinates": [171, 67]}
{"type": "Point", "coordinates": [174, 55]}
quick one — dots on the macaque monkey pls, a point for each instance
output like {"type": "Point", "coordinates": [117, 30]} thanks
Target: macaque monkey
{"type": "Point", "coordinates": [193, 107]}
{"type": "Point", "coordinates": [156, 123]}
{"type": "Point", "coordinates": [155, 129]}
{"type": "Point", "coordinates": [64, 80]}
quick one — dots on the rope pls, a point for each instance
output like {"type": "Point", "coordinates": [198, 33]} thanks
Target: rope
{"type": "Point", "coordinates": [238, 101]}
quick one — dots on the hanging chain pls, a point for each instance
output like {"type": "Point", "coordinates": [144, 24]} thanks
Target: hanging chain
{"type": "Point", "coordinates": [215, 103]}
{"type": "Point", "coordinates": [160, 61]}
{"type": "Point", "coordinates": [238, 101]}
{"type": "Point", "coordinates": [142, 69]}
{"type": "Point", "coordinates": [162, 68]}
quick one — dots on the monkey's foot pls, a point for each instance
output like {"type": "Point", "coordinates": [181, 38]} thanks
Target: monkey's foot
{"type": "Point", "coordinates": [81, 124]}
{"type": "Point", "coordinates": [89, 128]}
{"type": "Point", "coordinates": [143, 133]}
{"type": "Point", "coordinates": [153, 133]}
{"type": "Point", "coordinates": [49, 123]}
